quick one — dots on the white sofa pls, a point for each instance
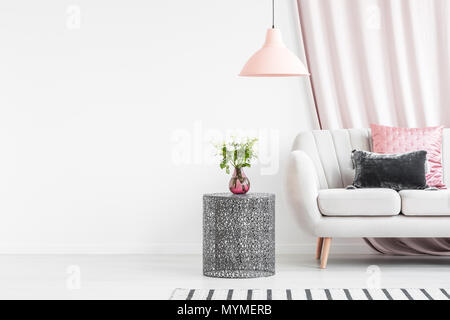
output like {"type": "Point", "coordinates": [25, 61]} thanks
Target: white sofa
{"type": "Point", "coordinates": [320, 168]}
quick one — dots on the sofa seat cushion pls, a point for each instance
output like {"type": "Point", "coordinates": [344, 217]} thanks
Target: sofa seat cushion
{"type": "Point", "coordinates": [425, 202]}
{"type": "Point", "coordinates": [359, 202]}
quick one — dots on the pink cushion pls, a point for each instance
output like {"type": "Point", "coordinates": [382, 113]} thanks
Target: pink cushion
{"type": "Point", "coordinates": [400, 140]}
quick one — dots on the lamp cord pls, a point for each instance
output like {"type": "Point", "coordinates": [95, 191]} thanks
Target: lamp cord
{"type": "Point", "coordinates": [273, 14]}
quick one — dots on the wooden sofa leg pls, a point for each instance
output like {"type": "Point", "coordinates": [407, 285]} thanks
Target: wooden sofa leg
{"type": "Point", "coordinates": [325, 252]}
{"type": "Point", "coordinates": [319, 248]}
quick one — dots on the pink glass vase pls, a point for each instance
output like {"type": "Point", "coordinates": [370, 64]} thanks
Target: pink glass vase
{"type": "Point", "coordinates": [239, 183]}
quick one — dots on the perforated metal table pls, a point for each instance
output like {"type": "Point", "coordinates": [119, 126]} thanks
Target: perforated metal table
{"type": "Point", "coordinates": [238, 235]}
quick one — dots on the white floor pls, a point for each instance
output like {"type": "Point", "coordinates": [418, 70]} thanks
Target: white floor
{"type": "Point", "coordinates": [155, 277]}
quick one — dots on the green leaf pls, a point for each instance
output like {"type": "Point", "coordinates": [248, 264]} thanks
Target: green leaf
{"type": "Point", "coordinates": [236, 154]}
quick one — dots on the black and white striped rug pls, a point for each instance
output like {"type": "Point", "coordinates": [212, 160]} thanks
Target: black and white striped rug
{"type": "Point", "coordinates": [312, 294]}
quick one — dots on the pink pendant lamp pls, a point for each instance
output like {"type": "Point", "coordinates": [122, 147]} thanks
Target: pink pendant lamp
{"type": "Point", "coordinates": [274, 59]}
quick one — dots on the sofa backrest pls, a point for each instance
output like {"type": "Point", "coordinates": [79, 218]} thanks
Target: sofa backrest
{"type": "Point", "coordinates": [330, 151]}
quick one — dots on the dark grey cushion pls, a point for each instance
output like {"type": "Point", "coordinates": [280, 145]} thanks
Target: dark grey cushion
{"type": "Point", "coordinates": [394, 171]}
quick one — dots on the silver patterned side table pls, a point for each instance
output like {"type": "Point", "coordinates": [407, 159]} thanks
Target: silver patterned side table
{"type": "Point", "coordinates": [238, 235]}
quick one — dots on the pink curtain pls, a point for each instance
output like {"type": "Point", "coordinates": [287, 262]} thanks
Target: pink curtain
{"type": "Point", "coordinates": [380, 61]}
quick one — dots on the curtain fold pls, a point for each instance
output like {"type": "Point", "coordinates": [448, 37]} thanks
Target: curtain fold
{"type": "Point", "coordinates": [380, 61]}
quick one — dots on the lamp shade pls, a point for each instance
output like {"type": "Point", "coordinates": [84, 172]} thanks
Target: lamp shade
{"type": "Point", "coordinates": [274, 60]}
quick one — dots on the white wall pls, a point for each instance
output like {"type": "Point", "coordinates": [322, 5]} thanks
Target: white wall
{"type": "Point", "coordinates": [89, 119]}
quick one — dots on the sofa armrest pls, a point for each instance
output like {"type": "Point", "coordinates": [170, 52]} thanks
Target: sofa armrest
{"type": "Point", "coordinates": [302, 190]}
